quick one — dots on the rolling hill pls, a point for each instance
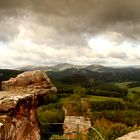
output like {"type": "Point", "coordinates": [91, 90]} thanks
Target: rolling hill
{"type": "Point", "coordinates": [69, 73]}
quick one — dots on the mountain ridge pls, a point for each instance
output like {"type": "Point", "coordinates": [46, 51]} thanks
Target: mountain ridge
{"type": "Point", "coordinates": [63, 66]}
{"type": "Point", "coordinates": [64, 71]}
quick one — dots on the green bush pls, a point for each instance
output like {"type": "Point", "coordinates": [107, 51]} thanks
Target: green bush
{"type": "Point", "coordinates": [109, 130]}
{"type": "Point", "coordinates": [74, 106]}
{"type": "Point", "coordinates": [117, 130]}
{"type": "Point", "coordinates": [107, 93]}
{"type": "Point", "coordinates": [106, 105]}
{"type": "Point", "coordinates": [80, 91]}
{"type": "Point", "coordinates": [47, 117]}
{"type": "Point", "coordinates": [128, 117]}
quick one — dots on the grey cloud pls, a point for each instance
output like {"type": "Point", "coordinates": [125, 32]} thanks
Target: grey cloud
{"type": "Point", "coordinates": [118, 55]}
{"type": "Point", "coordinates": [98, 13]}
{"type": "Point", "coordinates": [93, 16]}
{"type": "Point", "coordinates": [12, 4]}
{"type": "Point", "coordinates": [68, 25]}
{"type": "Point", "coordinates": [8, 29]}
{"type": "Point", "coordinates": [72, 16]}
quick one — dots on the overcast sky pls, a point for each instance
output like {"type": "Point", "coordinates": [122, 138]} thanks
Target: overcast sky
{"type": "Point", "coordinates": [46, 32]}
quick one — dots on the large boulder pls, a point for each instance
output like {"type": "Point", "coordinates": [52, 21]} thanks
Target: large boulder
{"type": "Point", "coordinates": [18, 102]}
{"type": "Point", "coordinates": [28, 82]}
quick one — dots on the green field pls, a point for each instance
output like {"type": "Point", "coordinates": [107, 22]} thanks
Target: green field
{"type": "Point", "coordinates": [91, 98]}
{"type": "Point", "coordinates": [136, 89]}
{"type": "Point", "coordinates": [130, 95]}
{"type": "Point", "coordinates": [102, 98]}
{"type": "Point", "coordinates": [131, 91]}
{"type": "Point", "coordinates": [122, 84]}
{"type": "Point", "coordinates": [63, 100]}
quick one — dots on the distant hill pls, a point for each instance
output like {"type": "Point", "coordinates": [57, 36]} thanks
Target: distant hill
{"type": "Point", "coordinates": [30, 68]}
{"type": "Point", "coordinates": [64, 66]}
{"type": "Point", "coordinates": [99, 68]}
{"type": "Point", "coordinates": [58, 67]}
{"type": "Point", "coordinates": [69, 73]}
{"type": "Point", "coordinates": [111, 75]}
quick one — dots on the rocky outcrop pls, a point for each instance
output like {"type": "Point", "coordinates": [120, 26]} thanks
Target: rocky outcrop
{"type": "Point", "coordinates": [18, 102]}
{"type": "Point", "coordinates": [131, 136]}
{"type": "Point", "coordinates": [74, 125]}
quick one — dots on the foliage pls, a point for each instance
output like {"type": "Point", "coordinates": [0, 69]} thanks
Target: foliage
{"type": "Point", "coordinates": [77, 106]}
{"type": "Point", "coordinates": [80, 90]}
{"type": "Point", "coordinates": [103, 98]}
{"type": "Point", "coordinates": [115, 75]}
{"type": "Point", "coordinates": [109, 91]}
{"type": "Point", "coordinates": [133, 84]}
{"type": "Point", "coordinates": [106, 105]}
{"type": "Point", "coordinates": [46, 117]}
{"type": "Point", "coordinates": [133, 91]}
{"type": "Point", "coordinates": [110, 130]}
{"type": "Point", "coordinates": [122, 114]}
{"type": "Point", "coordinates": [128, 117]}
{"type": "Point", "coordinates": [74, 106]}
{"type": "Point", "coordinates": [76, 79]}
{"type": "Point", "coordinates": [85, 107]}
{"type": "Point", "coordinates": [50, 98]}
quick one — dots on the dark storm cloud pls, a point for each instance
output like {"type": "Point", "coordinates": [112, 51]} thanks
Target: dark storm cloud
{"type": "Point", "coordinates": [12, 4]}
{"type": "Point", "coordinates": [92, 15]}
{"type": "Point", "coordinates": [89, 15]}
{"type": "Point", "coordinates": [64, 27]}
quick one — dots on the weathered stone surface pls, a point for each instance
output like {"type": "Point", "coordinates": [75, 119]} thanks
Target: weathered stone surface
{"type": "Point", "coordinates": [76, 124]}
{"type": "Point", "coordinates": [131, 136]}
{"type": "Point", "coordinates": [27, 82]}
{"type": "Point", "coordinates": [18, 102]}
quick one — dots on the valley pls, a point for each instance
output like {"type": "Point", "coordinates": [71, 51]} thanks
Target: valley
{"type": "Point", "coordinates": [110, 98]}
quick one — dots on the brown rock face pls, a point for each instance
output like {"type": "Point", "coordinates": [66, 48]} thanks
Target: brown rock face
{"type": "Point", "coordinates": [18, 102]}
{"type": "Point", "coordinates": [27, 82]}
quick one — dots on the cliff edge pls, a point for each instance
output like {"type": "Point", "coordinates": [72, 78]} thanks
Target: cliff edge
{"type": "Point", "coordinates": [18, 102]}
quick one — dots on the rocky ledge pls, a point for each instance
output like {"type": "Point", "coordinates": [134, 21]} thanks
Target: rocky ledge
{"type": "Point", "coordinates": [18, 102]}
{"type": "Point", "coordinates": [131, 136]}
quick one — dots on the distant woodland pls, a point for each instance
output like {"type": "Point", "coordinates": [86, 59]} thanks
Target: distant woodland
{"type": "Point", "coordinates": [112, 104]}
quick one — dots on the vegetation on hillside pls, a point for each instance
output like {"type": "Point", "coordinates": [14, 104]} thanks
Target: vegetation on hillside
{"type": "Point", "coordinates": [113, 107]}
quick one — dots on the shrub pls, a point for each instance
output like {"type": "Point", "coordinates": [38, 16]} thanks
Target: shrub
{"type": "Point", "coordinates": [128, 117]}
{"type": "Point", "coordinates": [117, 130]}
{"type": "Point", "coordinates": [106, 105]}
{"type": "Point", "coordinates": [108, 93]}
{"type": "Point", "coordinates": [74, 106]}
{"type": "Point", "coordinates": [108, 129]}
{"type": "Point", "coordinates": [46, 117]}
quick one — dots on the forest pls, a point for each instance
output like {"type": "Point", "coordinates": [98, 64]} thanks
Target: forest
{"type": "Point", "coordinates": [113, 107]}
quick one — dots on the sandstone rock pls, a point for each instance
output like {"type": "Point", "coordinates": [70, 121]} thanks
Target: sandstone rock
{"type": "Point", "coordinates": [27, 82]}
{"type": "Point", "coordinates": [76, 124]}
{"type": "Point", "coordinates": [131, 136]}
{"type": "Point", "coordinates": [18, 102]}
